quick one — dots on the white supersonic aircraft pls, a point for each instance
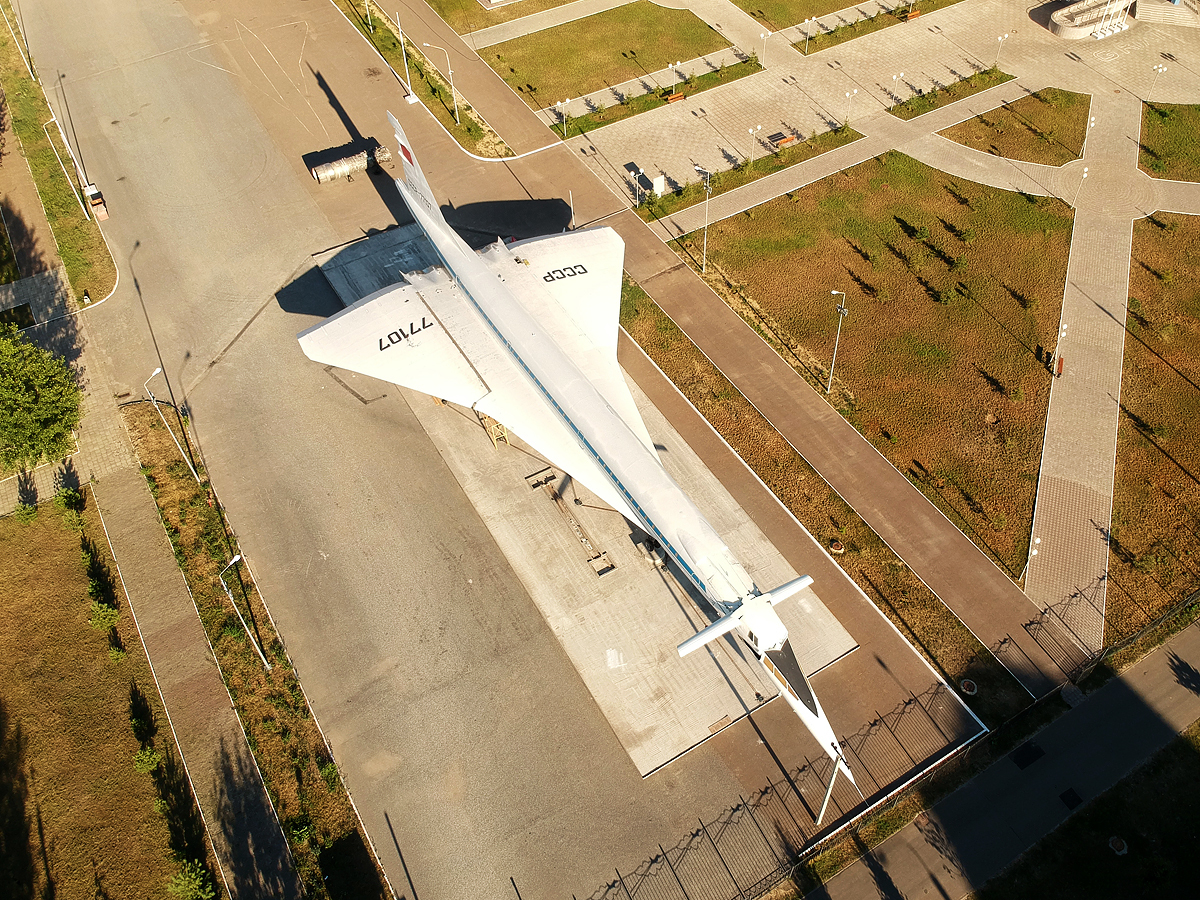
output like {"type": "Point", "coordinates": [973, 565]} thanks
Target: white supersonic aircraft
{"type": "Point", "coordinates": [527, 333]}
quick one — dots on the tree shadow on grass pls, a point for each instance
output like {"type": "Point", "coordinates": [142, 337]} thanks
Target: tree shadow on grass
{"type": "Point", "coordinates": [185, 827]}
{"type": "Point", "coordinates": [17, 870]}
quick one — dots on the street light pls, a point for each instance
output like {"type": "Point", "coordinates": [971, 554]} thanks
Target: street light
{"type": "Point", "coordinates": [561, 106]}
{"type": "Point", "coordinates": [1080, 188]}
{"type": "Point", "coordinates": [229, 594]}
{"type": "Point", "coordinates": [999, 47]}
{"type": "Point", "coordinates": [842, 313]}
{"type": "Point", "coordinates": [764, 53]}
{"type": "Point", "coordinates": [895, 79]}
{"type": "Point", "coordinates": [807, 33]}
{"type": "Point", "coordinates": [707, 195]}
{"type": "Point", "coordinates": [1158, 70]}
{"type": "Point", "coordinates": [411, 98]}
{"type": "Point", "coordinates": [146, 388]}
{"type": "Point", "coordinates": [450, 73]}
{"type": "Point", "coordinates": [752, 132]}
{"type": "Point", "coordinates": [849, 103]}
{"type": "Point", "coordinates": [674, 67]}
{"type": "Point", "coordinates": [637, 181]}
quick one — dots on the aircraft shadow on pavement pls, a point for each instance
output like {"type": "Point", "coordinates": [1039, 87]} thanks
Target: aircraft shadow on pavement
{"type": "Point", "coordinates": [308, 294]}
{"type": "Point", "coordinates": [479, 224]}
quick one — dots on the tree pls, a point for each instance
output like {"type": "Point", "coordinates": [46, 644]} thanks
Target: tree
{"type": "Point", "coordinates": [39, 402]}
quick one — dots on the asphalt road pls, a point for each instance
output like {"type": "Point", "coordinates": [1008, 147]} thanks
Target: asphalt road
{"type": "Point", "coordinates": [470, 744]}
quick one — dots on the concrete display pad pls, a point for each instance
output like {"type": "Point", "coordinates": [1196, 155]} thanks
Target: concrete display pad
{"type": "Point", "coordinates": [619, 628]}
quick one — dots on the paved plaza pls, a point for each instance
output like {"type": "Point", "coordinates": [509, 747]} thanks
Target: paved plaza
{"type": "Point", "coordinates": [261, 414]}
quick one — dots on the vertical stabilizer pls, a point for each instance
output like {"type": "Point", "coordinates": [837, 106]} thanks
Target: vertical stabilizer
{"type": "Point", "coordinates": [414, 178]}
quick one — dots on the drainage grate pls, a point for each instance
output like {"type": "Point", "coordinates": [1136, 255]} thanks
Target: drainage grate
{"type": "Point", "coordinates": [1070, 798]}
{"type": "Point", "coordinates": [1026, 755]}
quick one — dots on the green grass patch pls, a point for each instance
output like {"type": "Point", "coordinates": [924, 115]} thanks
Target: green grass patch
{"type": "Point", "coordinates": [891, 585]}
{"type": "Point", "coordinates": [693, 192]}
{"type": "Point", "coordinates": [780, 14]}
{"type": "Point", "coordinates": [822, 38]}
{"type": "Point", "coordinates": [95, 801]}
{"type": "Point", "coordinates": [1170, 138]}
{"type": "Point", "coordinates": [80, 245]}
{"type": "Point", "coordinates": [473, 134]}
{"type": "Point", "coordinates": [631, 106]}
{"type": "Point", "coordinates": [1047, 127]}
{"type": "Point", "coordinates": [1152, 810]}
{"type": "Point", "coordinates": [928, 101]}
{"type": "Point", "coordinates": [467, 16]}
{"type": "Point", "coordinates": [954, 291]}
{"type": "Point", "coordinates": [326, 838]}
{"type": "Point", "coordinates": [606, 49]}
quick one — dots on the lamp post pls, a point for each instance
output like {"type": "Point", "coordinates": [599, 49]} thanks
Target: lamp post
{"type": "Point", "coordinates": [849, 103]}
{"type": "Point", "coordinates": [229, 594]}
{"type": "Point", "coordinates": [807, 33]}
{"type": "Point", "coordinates": [1080, 188]}
{"type": "Point", "coordinates": [707, 195]}
{"type": "Point", "coordinates": [146, 388]}
{"type": "Point", "coordinates": [753, 132]}
{"type": "Point", "coordinates": [999, 47]}
{"type": "Point", "coordinates": [637, 183]}
{"type": "Point", "coordinates": [561, 106]}
{"type": "Point", "coordinates": [895, 79]}
{"type": "Point", "coordinates": [450, 74]}
{"type": "Point", "coordinates": [764, 37]}
{"type": "Point", "coordinates": [1158, 70]}
{"type": "Point", "coordinates": [674, 67]}
{"type": "Point", "coordinates": [842, 313]}
{"type": "Point", "coordinates": [404, 56]}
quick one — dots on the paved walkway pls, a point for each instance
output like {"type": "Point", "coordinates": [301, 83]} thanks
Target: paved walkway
{"type": "Point", "coordinates": [976, 832]}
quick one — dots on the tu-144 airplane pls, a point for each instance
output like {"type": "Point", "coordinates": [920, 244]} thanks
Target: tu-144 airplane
{"type": "Point", "coordinates": [526, 333]}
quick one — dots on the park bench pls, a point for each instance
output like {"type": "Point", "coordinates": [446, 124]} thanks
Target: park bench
{"type": "Point", "coordinates": [674, 98]}
{"type": "Point", "coordinates": [781, 140]}
{"type": "Point", "coordinates": [909, 14]}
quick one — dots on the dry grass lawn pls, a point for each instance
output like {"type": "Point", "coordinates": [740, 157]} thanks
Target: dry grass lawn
{"type": "Point", "coordinates": [1154, 559]}
{"type": "Point", "coordinates": [606, 49]}
{"type": "Point", "coordinates": [1047, 127]}
{"type": "Point", "coordinates": [76, 819]}
{"type": "Point", "coordinates": [954, 291]}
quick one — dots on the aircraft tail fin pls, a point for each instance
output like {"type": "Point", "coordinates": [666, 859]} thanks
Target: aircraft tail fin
{"type": "Point", "coordinates": [414, 183]}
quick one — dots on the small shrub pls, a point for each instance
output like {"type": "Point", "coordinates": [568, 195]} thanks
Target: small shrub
{"type": "Point", "coordinates": [146, 760]}
{"type": "Point", "coordinates": [116, 654]}
{"type": "Point", "coordinates": [191, 882]}
{"type": "Point", "coordinates": [329, 773]}
{"type": "Point", "coordinates": [103, 616]}
{"type": "Point", "coordinates": [25, 512]}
